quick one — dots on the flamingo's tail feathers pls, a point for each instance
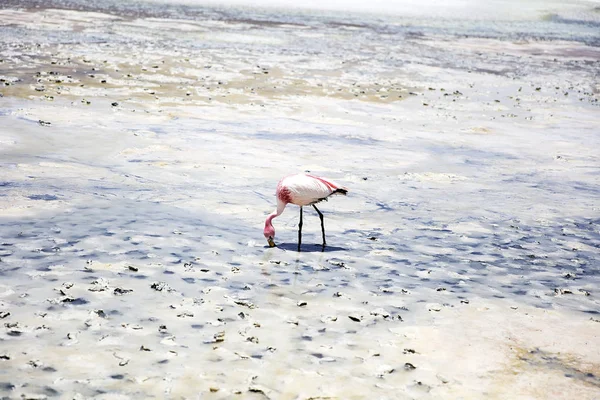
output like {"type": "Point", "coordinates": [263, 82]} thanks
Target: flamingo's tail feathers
{"type": "Point", "coordinates": [341, 191]}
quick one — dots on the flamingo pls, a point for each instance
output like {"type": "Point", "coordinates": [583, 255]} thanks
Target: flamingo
{"type": "Point", "coordinates": [301, 190]}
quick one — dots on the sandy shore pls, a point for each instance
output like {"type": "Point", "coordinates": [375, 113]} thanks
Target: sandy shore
{"type": "Point", "coordinates": [138, 161]}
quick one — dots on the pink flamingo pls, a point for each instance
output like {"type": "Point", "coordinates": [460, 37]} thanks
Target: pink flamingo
{"type": "Point", "coordinates": [302, 190]}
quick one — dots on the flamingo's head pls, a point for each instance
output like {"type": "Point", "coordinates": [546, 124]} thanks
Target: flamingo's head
{"type": "Point", "coordinates": [270, 234]}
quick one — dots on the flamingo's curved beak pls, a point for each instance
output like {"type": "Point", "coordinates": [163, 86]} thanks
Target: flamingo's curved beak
{"type": "Point", "coordinates": [271, 242]}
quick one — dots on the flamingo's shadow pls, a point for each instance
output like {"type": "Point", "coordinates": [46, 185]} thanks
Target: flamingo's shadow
{"type": "Point", "coordinates": [309, 248]}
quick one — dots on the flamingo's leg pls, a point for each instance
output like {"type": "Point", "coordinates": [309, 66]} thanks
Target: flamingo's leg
{"type": "Point", "coordinates": [300, 230]}
{"type": "Point", "coordinates": [322, 224]}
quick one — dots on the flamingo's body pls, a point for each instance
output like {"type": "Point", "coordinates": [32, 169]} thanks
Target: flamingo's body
{"type": "Point", "coordinates": [301, 190]}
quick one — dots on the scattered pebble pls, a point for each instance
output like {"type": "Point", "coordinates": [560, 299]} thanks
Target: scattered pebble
{"type": "Point", "coordinates": [560, 291]}
{"type": "Point", "coordinates": [219, 337]}
{"type": "Point", "coordinates": [260, 389]}
{"type": "Point", "coordinates": [380, 312]}
{"type": "Point", "coordinates": [161, 286]}
{"type": "Point", "coordinates": [120, 291]}
{"type": "Point", "coordinates": [328, 319]}
{"type": "Point", "coordinates": [386, 371]}
{"type": "Point", "coordinates": [434, 307]}
{"type": "Point", "coordinates": [337, 263]}
{"type": "Point", "coordinates": [245, 303]}
{"type": "Point", "coordinates": [185, 314]}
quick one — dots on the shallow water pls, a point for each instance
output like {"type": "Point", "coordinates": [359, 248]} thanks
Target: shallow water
{"type": "Point", "coordinates": [140, 147]}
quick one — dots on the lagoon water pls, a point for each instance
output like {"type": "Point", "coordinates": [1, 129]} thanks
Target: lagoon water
{"type": "Point", "coordinates": [140, 147]}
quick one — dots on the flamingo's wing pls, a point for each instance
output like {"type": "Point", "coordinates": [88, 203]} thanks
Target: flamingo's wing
{"type": "Point", "coordinates": [305, 190]}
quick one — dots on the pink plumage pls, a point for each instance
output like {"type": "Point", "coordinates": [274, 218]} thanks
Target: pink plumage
{"type": "Point", "coordinates": [302, 190]}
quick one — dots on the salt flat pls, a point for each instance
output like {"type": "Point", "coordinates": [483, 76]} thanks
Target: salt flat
{"type": "Point", "coordinates": [140, 147]}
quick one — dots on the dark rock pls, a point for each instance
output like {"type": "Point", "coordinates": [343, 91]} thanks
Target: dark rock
{"type": "Point", "coordinates": [161, 286]}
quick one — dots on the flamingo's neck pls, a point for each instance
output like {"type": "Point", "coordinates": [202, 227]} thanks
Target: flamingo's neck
{"type": "Point", "coordinates": [270, 218]}
{"type": "Point", "coordinates": [280, 207]}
